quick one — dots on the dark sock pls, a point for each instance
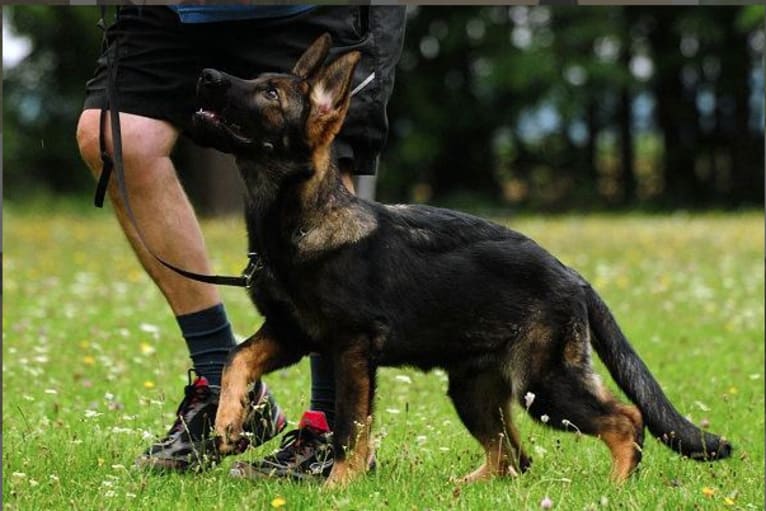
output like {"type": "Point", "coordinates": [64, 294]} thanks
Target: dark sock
{"type": "Point", "coordinates": [209, 339]}
{"type": "Point", "coordinates": [323, 387]}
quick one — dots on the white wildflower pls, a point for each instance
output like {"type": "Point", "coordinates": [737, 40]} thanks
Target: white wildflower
{"type": "Point", "coordinates": [149, 328]}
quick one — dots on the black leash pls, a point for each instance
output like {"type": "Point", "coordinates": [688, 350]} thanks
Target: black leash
{"type": "Point", "coordinates": [109, 164]}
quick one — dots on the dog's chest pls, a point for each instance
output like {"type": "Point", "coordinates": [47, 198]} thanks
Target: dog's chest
{"type": "Point", "coordinates": [274, 299]}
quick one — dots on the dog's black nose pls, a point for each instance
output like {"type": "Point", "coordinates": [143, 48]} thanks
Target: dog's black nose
{"type": "Point", "coordinates": [212, 78]}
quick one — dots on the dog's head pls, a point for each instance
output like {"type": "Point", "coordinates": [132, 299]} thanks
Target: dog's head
{"type": "Point", "coordinates": [288, 115]}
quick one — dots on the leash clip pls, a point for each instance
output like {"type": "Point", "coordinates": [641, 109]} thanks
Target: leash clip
{"type": "Point", "coordinates": [254, 266]}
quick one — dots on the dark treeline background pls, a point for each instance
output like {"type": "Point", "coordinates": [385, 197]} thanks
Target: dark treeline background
{"type": "Point", "coordinates": [552, 108]}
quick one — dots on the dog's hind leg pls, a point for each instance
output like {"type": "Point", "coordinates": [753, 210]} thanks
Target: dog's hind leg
{"type": "Point", "coordinates": [482, 400]}
{"type": "Point", "coordinates": [574, 399]}
{"type": "Point", "coordinates": [247, 362]}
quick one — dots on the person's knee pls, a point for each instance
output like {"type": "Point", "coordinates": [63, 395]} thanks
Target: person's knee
{"type": "Point", "coordinates": [88, 139]}
{"type": "Point", "coordinates": [144, 141]}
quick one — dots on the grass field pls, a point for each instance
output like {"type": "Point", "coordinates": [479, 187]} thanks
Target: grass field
{"type": "Point", "coordinates": [93, 367]}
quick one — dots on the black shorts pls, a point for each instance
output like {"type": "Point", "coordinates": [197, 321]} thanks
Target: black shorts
{"type": "Point", "coordinates": [160, 59]}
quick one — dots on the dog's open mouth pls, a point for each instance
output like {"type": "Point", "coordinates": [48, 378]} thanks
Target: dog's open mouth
{"type": "Point", "coordinates": [218, 122]}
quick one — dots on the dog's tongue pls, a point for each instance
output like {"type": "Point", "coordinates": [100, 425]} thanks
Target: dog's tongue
{"type": "Point", "coordinates": [208, 114]}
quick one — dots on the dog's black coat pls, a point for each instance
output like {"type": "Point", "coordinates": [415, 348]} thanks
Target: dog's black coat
{"type": "Point", "coordinates": [377, 285]}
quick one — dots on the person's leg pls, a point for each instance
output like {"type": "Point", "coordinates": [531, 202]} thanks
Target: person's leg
{"type": "Point", "coordinates": [169, 226]}
{"type": "Point", "coordinates": [161, 208]}
{"type": "Point", "coordinates": [157, 72]}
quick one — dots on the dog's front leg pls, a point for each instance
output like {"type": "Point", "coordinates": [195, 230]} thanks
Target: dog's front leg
{"type": "Point", "coordinates": [355, 391]}
{"type": "Point", "coordinates": [247, 362]}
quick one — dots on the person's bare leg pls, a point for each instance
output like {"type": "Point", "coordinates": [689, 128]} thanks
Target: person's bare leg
{"type": "Point", "coordinates": [162, 210]}
{"type": "Point", "coordinates": [169, 226]}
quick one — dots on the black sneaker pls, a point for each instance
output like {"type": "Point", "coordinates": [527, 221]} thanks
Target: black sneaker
{"type": "Point", "coordinates": [305, 452]}
{"type": "Point", "coordinates": [189, 445]}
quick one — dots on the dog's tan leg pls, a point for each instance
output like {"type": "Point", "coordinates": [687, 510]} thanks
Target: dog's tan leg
{"type": "Point", "coordinates": [354, 389]}
{"type": "Point", "coordinates": [574, 399]}
{"type": "Point", "coordinates": [258, 355]}
{"type": "Point", "coordinates": [521, 461]}
{"type": "Point", "coordinates": [483, 404]}
{"type": "Point", "coordinates": [622, 432]}
{"type": "Point", "coordinates": [504, 454]}
{"type": "Point", "coordinates": [356, 460]}
{"type": "Point", "coordinates": [499, 461]}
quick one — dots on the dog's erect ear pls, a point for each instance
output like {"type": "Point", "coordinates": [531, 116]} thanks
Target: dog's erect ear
{"type": "Point", "coordinates": [330, 97]}
{"type": "Point", "coordinates": [333, 84]}
{"type": "Point", "coordinates": [313, 57]}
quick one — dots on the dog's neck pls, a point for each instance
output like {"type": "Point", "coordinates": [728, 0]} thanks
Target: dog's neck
{"type": "Point", "coordinates": [302, 212]}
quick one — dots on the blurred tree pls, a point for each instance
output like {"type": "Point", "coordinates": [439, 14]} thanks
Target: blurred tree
{"type": "Point", "coordinates": [676, 109]}
{"type": "Point", "coordinates": [624, 117]}
{"type": "Point", "coordinates": [442, 114]}
{"type": "Point", "coordinates": [539, 107]}
{"type": "Point", "coordinates": [733, 91]}
{"type": "Point", "coordinates": [42, 98]}
{"type": "Point", "coordinates": [556, 96]}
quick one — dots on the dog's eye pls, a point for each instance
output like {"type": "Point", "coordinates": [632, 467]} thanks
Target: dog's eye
{"type": "Point", "coordinates": [271, 94]}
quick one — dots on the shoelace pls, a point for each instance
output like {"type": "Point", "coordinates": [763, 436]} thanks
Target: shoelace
{"type": "Point", "coordinates": [298, 441]}
{"type": "Point", "coordinates": [192, 395]}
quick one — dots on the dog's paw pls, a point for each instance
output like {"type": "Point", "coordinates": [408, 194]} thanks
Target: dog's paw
{"type": "Point", "coordinates": [229, 439]}
{"type": "Point", "coordinates": [229, 421]}
{"type": "Point", "coordinates": [485, 473]}
{"type": "Point", "coordinates": [342, 474]}
{"type": "Point", "coordinates": [232, 444]}
{"type": "Point", "coordinates": [336, 482]}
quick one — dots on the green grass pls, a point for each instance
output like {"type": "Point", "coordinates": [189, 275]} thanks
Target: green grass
{"type": "Point", "coordinates": [93, 366]}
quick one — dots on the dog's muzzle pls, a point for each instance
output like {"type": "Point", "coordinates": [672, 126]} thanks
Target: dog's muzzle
{"type": "Point", "coordinates": [211, 80]}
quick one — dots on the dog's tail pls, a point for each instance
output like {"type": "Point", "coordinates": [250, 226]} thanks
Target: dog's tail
{"type": "Point", "coordinates": [634, 378]}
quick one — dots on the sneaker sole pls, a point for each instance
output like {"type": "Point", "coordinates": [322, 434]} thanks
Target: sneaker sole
{"type": "Point", "coordinates": [244, 470]}
{"type": "Point", "coordinates": [157, 465]}
{"type": "Point", "coordinates": [193, 463]}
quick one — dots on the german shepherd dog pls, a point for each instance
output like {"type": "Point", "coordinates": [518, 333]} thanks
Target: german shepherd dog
{"type": "Point", "coordinates": [375, 285]}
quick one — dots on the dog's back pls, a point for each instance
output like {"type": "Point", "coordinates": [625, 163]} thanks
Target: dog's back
{"type": "Point", "coordinates": [455, 289]}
